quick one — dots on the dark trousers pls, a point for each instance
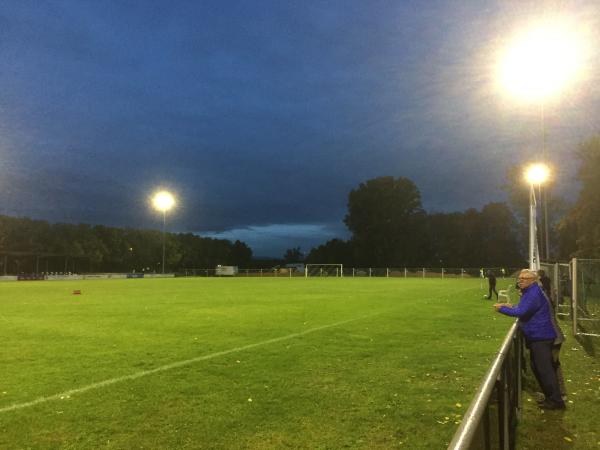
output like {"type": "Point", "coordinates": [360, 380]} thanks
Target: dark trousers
{"type": "Point", "coordinates": [492, 289]}
{"type": "Point", "coordinates": [542, 364]}
{"type": "Point", "coordinates": [558, 369]}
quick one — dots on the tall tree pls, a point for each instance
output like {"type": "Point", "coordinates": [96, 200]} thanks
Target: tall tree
{"type": "Point", "coordinates": [293, 255]}
{"type": "Point", "coordinates": [501, 245]}
{"type": "Point", "coordinates": [385, 217]}
{"type": "Point", "coordinates": [585, 216]}
{"type": "Point", "coordinates": [555, 206]}
{"type": "Point", "coordinates": [445, 240]}
{"type": "Point", "coordinates": [68, 247]}
{"type": "Point", "coordinates": [240, 255]}
{"type": "Point", "coordinates": [334, 251]}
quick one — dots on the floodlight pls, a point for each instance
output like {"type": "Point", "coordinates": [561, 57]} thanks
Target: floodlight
{"type": "Point", "coordinates": [537, 173]}
{"type": "Point", "coordinates": [542, 60]}
{"type": "Point", "coordinates": [163, 201]}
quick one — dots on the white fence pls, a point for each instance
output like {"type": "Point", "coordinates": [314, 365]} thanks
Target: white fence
{"type": "Point", "coordinates": [89, 276]}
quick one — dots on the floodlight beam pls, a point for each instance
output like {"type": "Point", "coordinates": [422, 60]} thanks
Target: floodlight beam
{"type": "Point", "coordinates": [163, 201]}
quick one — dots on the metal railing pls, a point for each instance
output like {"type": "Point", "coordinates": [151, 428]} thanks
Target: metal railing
{"type": "Point", "coordinates": [491, 420]}
{"type": "Point", "coordinates": [576, 294]}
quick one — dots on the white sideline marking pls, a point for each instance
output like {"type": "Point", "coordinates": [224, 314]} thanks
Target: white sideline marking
{"type": "Point", "coordinates": [174, 365]}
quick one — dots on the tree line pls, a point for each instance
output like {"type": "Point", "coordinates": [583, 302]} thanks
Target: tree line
{"type": "Point", "coordinates": [388, 225]}
{"type": "Point", "coordinates": [30, 246]}
{"type": "Point", "coordinates": [390, 228]}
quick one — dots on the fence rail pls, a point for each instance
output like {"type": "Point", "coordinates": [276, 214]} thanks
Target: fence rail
{"type": "Point", "coordinates": [364, 272]}
{"type": "Point", "coordinates": [491, 419]}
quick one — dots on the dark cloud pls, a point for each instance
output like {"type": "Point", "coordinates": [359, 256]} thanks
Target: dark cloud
{"type": "Point", "coordinates": [263, 116]}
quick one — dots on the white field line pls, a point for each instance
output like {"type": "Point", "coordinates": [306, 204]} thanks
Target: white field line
{"type": "Point", "coordinates": [174, 365]}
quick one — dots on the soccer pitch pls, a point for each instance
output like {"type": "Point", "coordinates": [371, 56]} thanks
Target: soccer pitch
{"type": "Point", "coordinates": [241, 363]}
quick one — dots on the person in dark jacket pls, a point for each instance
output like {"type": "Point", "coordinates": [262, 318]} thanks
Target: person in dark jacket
{"type": "Point", "coordinates": [492, 284]}
{"type": "Point", "coordinates": [546, 284]}
{"type": "Point", "coordinates": [536, 322]}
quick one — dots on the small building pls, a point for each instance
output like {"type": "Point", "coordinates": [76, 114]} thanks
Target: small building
{"type": "Point", "coordinates": [226, 271]}
{"type": "Point", "coordinates": [295, 267]}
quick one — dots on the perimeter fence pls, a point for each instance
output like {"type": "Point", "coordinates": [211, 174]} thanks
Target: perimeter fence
{"type": "Point", "coordinates": [491, 419]}
{"type": "Point", "coordinates": [586, 297]}
{"type": "Point", "coordinates": [576, 293]}
{"type": "Point", "coordinates": [358, 272]}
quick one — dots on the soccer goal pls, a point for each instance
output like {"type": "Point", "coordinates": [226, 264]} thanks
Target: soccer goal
{"type": "Point", "coordinates": [324, 270]}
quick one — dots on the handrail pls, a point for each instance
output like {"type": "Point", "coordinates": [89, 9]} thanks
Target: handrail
{"type": "Point", "coordinates": [464, 435]}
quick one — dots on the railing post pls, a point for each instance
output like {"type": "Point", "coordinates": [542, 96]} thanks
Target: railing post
{"type": "Point", "coordinates": [574, 295]}
{"type": "Point", "coordinates": [519, 352]}
{"type": "Point", "coordinates": [503, 408]}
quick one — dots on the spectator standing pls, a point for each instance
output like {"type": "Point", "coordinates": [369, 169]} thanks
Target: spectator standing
{"type": "Point", "coordinates": [546, 284]}
{"type": "Point", "coordinates": [492, 285]}
{"type": "Point", "coordinates": [536, 321]}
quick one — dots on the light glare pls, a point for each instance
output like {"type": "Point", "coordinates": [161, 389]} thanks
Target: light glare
{"type": "Point", "coordinates": [537, 173]}
{"type": "Point", "coordinates": [542, 61]}
{"type": "Point", "coordinates": [163, 201]}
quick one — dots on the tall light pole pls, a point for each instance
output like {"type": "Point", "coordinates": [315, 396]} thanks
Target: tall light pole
{"type": "Point", "coordinates": [163, 201]}
{"type": "Point", "coordinates": [536, 66]}
{"type": "Point", "coordinates": [535, 174]}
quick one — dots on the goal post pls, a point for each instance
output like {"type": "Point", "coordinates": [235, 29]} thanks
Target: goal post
{"type": "Point", "coordinates": [324, 270]}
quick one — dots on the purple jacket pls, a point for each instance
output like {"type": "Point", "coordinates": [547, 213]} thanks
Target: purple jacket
{"type": "Point", "coordinates": [534, 313]}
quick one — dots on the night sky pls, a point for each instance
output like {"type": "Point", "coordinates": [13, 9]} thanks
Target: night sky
{"type": "Point", "coordinates": [261, 116]}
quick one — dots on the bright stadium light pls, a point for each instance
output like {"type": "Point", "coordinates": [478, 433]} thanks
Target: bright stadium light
{"type": "Point", "coordinates": [536, 175]}
{"type": "Point", "coordinates": [163, 201]}
{"type": "Point", "coordinates": [542, 60]}
{"type": "Point", "coordinates": [539, 63]}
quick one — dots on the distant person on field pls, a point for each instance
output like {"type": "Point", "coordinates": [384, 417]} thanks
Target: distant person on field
{"type": "Point", "coordinates": [537, 323]}
{"type": "Point", "coordinates": [492, 284]}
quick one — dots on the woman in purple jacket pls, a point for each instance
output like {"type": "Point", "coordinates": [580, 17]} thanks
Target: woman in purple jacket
{"type": "Point", "coordinates": [535, 320]}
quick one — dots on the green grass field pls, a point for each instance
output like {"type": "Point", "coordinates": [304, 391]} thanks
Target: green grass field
{"type": "Point", "coordinates": [241, 363]}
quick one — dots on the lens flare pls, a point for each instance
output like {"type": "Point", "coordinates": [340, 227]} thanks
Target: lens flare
{"type": "Point", "coordinates": [537, 173]}
{"type": "Point", "coordinates": [163, 201]}
{"type": "Point", "coordinates": [540, 62]}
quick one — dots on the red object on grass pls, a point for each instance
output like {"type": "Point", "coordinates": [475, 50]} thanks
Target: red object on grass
{"type": "Point", "coordinates": [77, 292]}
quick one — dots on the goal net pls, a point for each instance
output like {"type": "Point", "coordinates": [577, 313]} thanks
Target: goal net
{"type": "Point", "coordinates": [324, 270]}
